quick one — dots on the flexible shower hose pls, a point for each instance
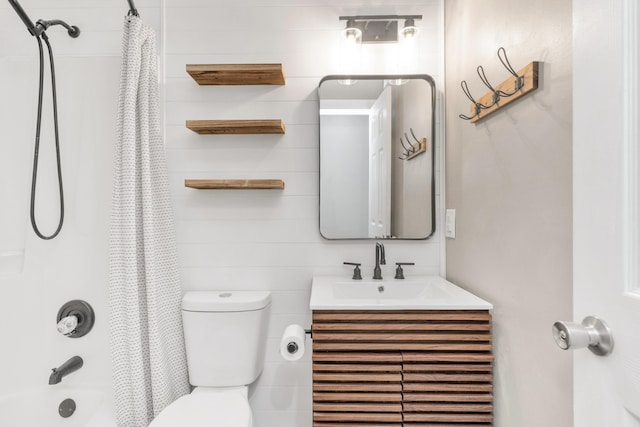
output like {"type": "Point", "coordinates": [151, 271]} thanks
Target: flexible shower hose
{"type": "Point", "coordinates": [34, 176]}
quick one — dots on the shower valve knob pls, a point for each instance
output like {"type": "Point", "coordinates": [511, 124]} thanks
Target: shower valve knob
{"type": "Point", "coordinates": [75, 319]}
{"type": "Point", "coordinates": [68, 325]}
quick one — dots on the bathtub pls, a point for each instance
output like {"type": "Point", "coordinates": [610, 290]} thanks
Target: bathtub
{"type": "Point", "coordinates": [39, 408]}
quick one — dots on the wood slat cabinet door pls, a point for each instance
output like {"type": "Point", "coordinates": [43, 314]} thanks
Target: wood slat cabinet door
{"type": "Point", "coordinates": [402, 368]}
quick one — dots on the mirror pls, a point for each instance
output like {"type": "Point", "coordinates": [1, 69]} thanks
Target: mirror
{"type": "Point", "coordinates": [377, 175]}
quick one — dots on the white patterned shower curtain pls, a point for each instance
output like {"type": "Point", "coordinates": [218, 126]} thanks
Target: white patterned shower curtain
{"type": "Point", "coordinates": [147, 342]}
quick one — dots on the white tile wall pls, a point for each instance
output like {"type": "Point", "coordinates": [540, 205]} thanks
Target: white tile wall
{"type": "Point", "coordinates": [270, 240]}
{"type": "Point", "coordinates": [74, 265]}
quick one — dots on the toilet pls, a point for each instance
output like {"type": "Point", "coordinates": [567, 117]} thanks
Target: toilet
{"type": "Point", "coordinates": [225, 337]}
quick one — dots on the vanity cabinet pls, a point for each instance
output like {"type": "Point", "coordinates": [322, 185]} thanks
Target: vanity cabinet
{"type": "Point", "coordinates": [392, 368]}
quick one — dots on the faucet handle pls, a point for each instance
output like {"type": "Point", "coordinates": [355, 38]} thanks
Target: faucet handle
{"type": "Point", "coordinates": [67, 325]}
{"type": "Point", "coordinates": [357, 274]}
{"type": "Point", "coordinates": [399, 271]}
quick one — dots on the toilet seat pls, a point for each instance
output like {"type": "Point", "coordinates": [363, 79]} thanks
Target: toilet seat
{"type": "Point", "coordinates": [208, 407]}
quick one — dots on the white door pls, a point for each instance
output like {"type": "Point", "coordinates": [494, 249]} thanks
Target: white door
{"type": "Point", "coordinates": [380, 166]}
{"type": "Point", "coordinates": [605, 202]}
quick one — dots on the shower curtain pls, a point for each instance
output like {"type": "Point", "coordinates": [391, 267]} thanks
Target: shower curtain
{"type": "Point", "coordinates": [148, 355]}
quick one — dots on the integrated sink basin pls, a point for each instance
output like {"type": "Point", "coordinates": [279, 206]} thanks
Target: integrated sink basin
{"type": "Point", "coordinates": [417, 293]}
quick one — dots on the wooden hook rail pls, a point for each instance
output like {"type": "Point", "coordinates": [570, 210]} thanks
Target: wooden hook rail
{"type": "Point", "coordinates": [412, 149]}
{"type": "Point", "coordinates": [521, 83]}
{"type": "Point", "coordinates": [530, 83]}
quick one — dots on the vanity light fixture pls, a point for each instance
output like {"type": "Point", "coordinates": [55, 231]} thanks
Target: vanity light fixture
{"type": "Point", "coordinates": [379, 28]}
{"type": "Point", "coordinates": [409, 31]}
{"type": "Point", "coordinates": [351, 33]}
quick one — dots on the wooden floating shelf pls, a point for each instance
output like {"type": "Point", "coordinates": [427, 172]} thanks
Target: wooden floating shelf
{"type": "Point", "coordinates": [235, 184]}
{"type": "Point", "coordinates": [236, 127]}
{"type": "Point", "coordinates": [530, 74]}
{"type": "Point", "coordinates": [237, 74]}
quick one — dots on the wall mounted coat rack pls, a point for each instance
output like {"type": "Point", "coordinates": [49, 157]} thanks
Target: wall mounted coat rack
{"type": "Point", "coordinates": [412, 149]}
{"type": "Point", "coordinates": [523, 82]}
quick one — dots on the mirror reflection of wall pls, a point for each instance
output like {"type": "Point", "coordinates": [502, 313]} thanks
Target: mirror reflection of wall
{"type": "Point", "coordinates": [411, 194]}
{"type": "Point", "coordinates": [345, 183]}
{"type": "Point", "coordinates": [369, 185]}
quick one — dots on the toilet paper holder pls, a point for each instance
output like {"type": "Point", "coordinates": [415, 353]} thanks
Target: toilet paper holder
{"type": "Point", "coordinates": [293, 342]}
{"type": "Point", "coordinates": [292, 347]}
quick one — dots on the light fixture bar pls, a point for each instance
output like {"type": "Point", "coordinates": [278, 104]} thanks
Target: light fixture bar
{"type": "Point", "coordinates": [378, 17]}
{"type": "Point", "coordinates": [378, 28]}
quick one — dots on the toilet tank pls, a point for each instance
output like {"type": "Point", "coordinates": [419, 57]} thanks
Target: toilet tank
{"type": "Point", "coordinates": [225, 335]}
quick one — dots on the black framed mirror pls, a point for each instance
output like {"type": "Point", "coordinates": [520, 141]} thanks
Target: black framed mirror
{"type": "Point", "coordinates": [377, 156]}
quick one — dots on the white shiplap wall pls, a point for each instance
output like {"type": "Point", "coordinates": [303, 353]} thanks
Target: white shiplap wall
{"type": "Point", "coordinates": [269, 240]}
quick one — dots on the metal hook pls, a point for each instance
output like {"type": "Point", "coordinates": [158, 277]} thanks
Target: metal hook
{"type": "Point", "coordinates": [497, 94]}
{"type": "Point", "coordinates": [483, 77]}
{"type": "Point", "coordinates": [502, 52]}
{"type": "Point", "coordinates": [412, 149]}
{"type": "Point", "coordinates": [505, 62]}
{"type": "Point", "coordinates": [478, 106]}
{"type": "Point", "coordinates": [417, 140]}
{"type": "Point", "coordinates": [406, 150]}
{"type": "Point", "coordinates": [465, 89]}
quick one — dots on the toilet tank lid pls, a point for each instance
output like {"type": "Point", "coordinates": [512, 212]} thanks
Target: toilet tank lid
{"type": "Point", "coordinates": [216, 301]}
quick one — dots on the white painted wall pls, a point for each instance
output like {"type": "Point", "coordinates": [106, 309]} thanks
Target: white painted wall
{"type": "Point", "coordinates": [509, 179]}
{"type": "Point", "coordinates": [227, 239]}
{"type": "Point", "coordinates": [74, 265]}
{"type": "Point", "coordinates": [270, 239]}
{"type": "Point", "coordinates": [344, 186]}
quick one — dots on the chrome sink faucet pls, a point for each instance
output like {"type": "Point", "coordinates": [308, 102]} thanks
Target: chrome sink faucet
{"type": "Point", "coordinates": [380, 259]}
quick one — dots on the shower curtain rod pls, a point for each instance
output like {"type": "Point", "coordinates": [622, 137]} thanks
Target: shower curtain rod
{"type": "Point", "coordinates": [132, 8]}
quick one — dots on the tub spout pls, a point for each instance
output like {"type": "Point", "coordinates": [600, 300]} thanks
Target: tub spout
{"type": "Point", "coordinates": [65, 369]}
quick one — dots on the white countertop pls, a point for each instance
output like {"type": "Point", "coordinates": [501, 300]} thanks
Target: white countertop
{"type": "Point", "coordinates": [413, 293]}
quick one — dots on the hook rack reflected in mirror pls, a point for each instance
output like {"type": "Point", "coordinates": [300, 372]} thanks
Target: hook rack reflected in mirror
{"type": "Point", "coordinates": [412, 149]}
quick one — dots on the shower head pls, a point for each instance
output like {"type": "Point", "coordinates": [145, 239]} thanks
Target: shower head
{"type": "Point", "coordinates": [40, 26]}
{"type": "Point", "coordinates": [23, 15]}
{"type": "Point", "coordinates": [72, 30]}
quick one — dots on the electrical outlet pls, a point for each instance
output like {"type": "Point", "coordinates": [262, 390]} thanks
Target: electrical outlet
{"type": "Point", "coordinates": [450, 224]}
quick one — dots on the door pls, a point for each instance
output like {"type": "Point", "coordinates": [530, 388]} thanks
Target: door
{"type": "Point", "coordinates": [605, 202]}
{"type": "Point", "coordinates": [380, 166]}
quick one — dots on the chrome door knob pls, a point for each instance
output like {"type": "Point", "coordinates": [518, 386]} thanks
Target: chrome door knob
{"type": "Point", "coordinates": [592, 333]}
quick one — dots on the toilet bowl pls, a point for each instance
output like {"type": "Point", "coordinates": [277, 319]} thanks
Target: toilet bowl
{"type": "Point", "coordinates": [225, 337]}
{"type": "Point", "coordinates": [208, 407]}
